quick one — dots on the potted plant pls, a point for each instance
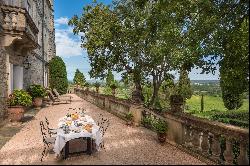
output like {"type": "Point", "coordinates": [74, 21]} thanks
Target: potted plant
{"type": "Point", "coordinates": [37, 93]}
{"type": "Point", "coordinates": [97, 86]}
{"type": "Point", "coordinates": [160, 127]}
{"type": "Point", "coordinates": [176, 102]}
{"type": "Point", "coordinates": [129, 117]}
{"type": "Point", "coordinates": [146, 121]}
{"type": "Point", "coordinates": [113, 87]}
{"type": "Point", "coordinates": [17, 102]}
{"type": "Point", "coordinates": [87, 86]}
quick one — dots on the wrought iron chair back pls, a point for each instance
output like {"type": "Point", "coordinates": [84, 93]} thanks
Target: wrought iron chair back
{"type": "Point", "coordinates": [43, 131]}
{"type": "Point", "coordinates": [50, 130]}
{"type": "Point", "coordinates": [104, 125]}
{"type": "Point", "coordinates": [46, 140]}
{"type": "Point", "coordinates": [100, 119]}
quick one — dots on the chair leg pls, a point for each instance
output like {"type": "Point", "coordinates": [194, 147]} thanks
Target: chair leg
{"type": "Point", "coordinates": [43, 153]}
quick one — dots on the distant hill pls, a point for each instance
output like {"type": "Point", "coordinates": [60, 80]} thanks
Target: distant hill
{"type": "Point", "coordinates": [192, 81]}
{"type": "Point", "coordinates": [206, 81]}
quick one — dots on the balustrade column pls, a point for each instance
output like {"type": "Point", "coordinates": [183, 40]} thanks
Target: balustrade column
{"type": "Point", "coordinates": [243, 157]}
{"type": "Point", "coordinates": [196, 138]}
{"type": "Point", "coordinates": [216, 146]}
{"type": "Point", "coordinates": [187, 136]}
{"type": "Point", "coordinates": [205, 142]}
{"type": "Point", "coordinates": [228, 154]}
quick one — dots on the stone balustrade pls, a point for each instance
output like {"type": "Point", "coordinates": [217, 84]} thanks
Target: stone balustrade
{"type": "Point", "coordinates": [221, 143]}
{"type": "Point", "coordinates": [118, 107]}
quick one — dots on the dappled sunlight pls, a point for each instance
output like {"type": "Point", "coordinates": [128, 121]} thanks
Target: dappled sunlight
{"type": "Point", "coordinates": [123, 144]}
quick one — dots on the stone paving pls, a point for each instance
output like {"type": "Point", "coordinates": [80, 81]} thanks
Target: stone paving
{"type": "Point", "coordinates": [123, 144]}
{"type": "Point", "coordinates": [9, 129]}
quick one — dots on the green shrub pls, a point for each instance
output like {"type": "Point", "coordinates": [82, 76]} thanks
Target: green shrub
{"type": "Point", "coordinates": [58, 75]}
{"type": "Point", "coordinates": [147, 121]}
{"type": "Point", "coordinates": [160, 126]}
{"type": "Point", "coordinates": [37, 91]}
{"type": "Point", "coordinates": [242, 115]}
{"type": "Point", "coordinates": [97, 84]}
{"type": "Point", "coordinates": [129, 116]}
{"type": "Point", "coordinates": [107, 90]}
{"type": "Point", "coordinates": [237, 118]}
{"type": "Point", "coordinates": [113, 86]}
{"type": "Point", "coordinates": [20, 98]}
{"type": "Point", "coordinates": [234, 122]}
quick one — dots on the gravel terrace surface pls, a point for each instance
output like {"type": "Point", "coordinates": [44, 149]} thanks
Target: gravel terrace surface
{"type": "Point", "coordinates": [123, 144]}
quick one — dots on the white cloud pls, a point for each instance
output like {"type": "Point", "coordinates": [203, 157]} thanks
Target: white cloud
{"type": "Point", "coordinates": [67, 45]}
{"type": "Point", "coordinates": [61, 20]}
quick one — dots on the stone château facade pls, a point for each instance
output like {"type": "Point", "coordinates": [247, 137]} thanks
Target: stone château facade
{"type": "Point", "coordinates": [27, 43]}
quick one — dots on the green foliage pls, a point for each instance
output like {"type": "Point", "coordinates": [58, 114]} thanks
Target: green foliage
{"type": "Point", "coordinates": [234, 71]}
{"type": "Point", "coordinates": [231, 101]}
{"type": "Point", "coordinates": [147, 121]}
{"type": "Point", "coordinates": [79, 78]}
{"type": "Point", "coordinates": [114, 85]}
{"type": "Point", "coordinates": [123, 93]}
{"type": "Point", "coordinates": [97, 84]}
{"type": "Point", "coordinates": [160, 126]}
{"type": "Point", "coordinates": [210, 89]}
{"type": "Point", "coordinates": [58, 75]}
{"type": "Point", "coordinates": [107, 90]}
{"type": "Point", "coordinates": [147, 91]}
{"type": "Point", "coordinates": [110, 78]}
{"type": "Point", "coordinates": [129, 116]}
{"type": "Point", "coordinates": [147, 40]}
{"type": "Point", "coordinates": [37, 91]}
{"type": "Point", "coordinates": [202, 103]}
{"type": "Point", "coordinates": [241, 115]}
{"type": "Point", "coordinates": [157, 105]}
{"type": "Point", "coordinates": [20, 98]}
{"type": "Point", "coordinates": [215, 110]}
{"type": "Point", "coordinates": [184, 87]}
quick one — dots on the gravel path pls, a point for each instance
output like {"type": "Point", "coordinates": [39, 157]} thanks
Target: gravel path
{"type": "Point", "coordinates": [124, 145]}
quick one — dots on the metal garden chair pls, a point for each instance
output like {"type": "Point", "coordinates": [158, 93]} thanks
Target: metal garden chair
{"type": "Point", "coordinates": [47, 141]}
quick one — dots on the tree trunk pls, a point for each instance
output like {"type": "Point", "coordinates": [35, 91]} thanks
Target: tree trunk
{"type": "Point", "coordinates": [137, 95]}
{"type": "Point", "coordinates": [156, 87]}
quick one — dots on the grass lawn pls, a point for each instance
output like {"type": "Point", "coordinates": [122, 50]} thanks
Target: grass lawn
{"type": "Point", "coordinates": [214, 109]}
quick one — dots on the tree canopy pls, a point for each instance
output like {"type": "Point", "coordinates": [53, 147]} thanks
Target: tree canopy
{"type": "Point", "coordinates": [58, 75]}
{"type": "Point", "coordinates": [79, 78]}
{"type": "Point", "coordinates": [148, 39]}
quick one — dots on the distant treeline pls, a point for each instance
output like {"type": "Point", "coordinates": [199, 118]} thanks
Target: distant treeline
{"type": "Point", "coordinates": [209, 87]}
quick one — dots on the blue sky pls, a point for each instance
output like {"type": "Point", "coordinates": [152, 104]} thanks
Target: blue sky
{"type": "Point", "coordinates": [68, 45]}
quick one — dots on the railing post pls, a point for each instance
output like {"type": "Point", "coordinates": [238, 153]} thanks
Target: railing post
{"type": "Point", "coordinates": [205, 143]}
{"type": "Point", "coordinates": [176, 103]}
{"type": "Point", "coordinates": [136, 111]}
{"type": "Point", "coordinates": [187, 135]}
{"type": "Point", "coordinates": [216, 146]}
{"type": "Point", "coordinates": [243, 157]}
{"type": "Point", "coordinates": [228, 154]}
{"type": "Point", "coordinates": [196, 138]}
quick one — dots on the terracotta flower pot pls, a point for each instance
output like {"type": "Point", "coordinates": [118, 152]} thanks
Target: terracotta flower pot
{"type": "Point", "coordinates": [129, 123]}
{"type": "Point", "coordinates": [37, 102]}
{"type": "Point", "coordinates": [15, 113]}
{"type": "Point", "coordinates": [161, 137]}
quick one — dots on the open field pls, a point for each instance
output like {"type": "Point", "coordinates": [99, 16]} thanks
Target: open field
{"type": "Point", "coordinates": [214, 109]}
{"type": "Point", "coordinates": [211, 103]}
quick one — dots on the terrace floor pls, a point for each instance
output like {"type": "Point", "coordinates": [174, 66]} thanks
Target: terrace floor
{"type": "Point", "coordinates": [123, 145]}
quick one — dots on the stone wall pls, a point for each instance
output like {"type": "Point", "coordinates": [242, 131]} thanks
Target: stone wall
{"type": "Point", "coordinates": [3, 82]}
{"type": "Point", "coordinates": [42, 48]}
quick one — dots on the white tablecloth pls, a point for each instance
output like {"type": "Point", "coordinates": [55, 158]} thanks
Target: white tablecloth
{"type": "Point", "coordinates": [62, 138]}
